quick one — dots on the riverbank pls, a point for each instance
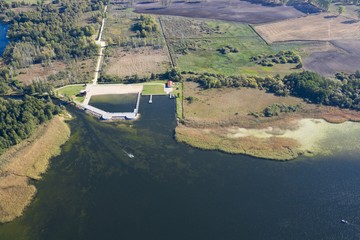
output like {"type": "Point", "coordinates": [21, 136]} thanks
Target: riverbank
{"type": "Point", "coordinates": [28, 161]}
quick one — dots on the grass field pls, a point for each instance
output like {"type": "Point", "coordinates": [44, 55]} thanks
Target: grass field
{"type": "Point", "coordinates": [197, 43]}
{"type": "Point", "coordinates": [71, 91]}
{"type": "Point", "coordinates": [153, 89]}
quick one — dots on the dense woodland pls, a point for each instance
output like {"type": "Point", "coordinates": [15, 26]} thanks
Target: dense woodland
{"type": "Point", "coordinates": [45, 32]}
{"type": "Point", "coordinates": [19, 118]}
{"type": "Point", "coordinates": [52, 31]}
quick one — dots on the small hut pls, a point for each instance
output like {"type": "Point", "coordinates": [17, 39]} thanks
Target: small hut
{"type": "Point", "coordinates": [169, 84]}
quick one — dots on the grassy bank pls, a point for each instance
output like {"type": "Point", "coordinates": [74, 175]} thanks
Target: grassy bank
{"type": "Point", "coordinates": [25, 161]}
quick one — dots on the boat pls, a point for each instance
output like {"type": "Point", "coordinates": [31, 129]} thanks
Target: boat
{"type": "Point", "coordinates": [130, 155]}
{"type": "Point", "coordinates": [344, 221]}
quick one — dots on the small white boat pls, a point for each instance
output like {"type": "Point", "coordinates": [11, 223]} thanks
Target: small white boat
{"type": "Point", "coordinates": [344, 221]}
{"type": "Point", "coordinates": [130, 155]}
{"type": "Point", "coordinates": [150, 100]}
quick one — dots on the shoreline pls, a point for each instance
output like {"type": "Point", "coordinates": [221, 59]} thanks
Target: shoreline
{"type": "Point", "coordinates": [308, 137]}
{"type": "Point", "coordinates": [28, 161]}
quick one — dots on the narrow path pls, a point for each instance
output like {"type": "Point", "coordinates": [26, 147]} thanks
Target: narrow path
{"type": "Point", "coordinates": [102, 45]}
{"type": "Point", "coordinates": [172, 62]}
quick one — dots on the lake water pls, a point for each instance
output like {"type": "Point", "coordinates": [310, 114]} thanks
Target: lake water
{"type": "Point", "coordinates": [3, 39]}
{"type": "Point", "coordinates": [170, 191]}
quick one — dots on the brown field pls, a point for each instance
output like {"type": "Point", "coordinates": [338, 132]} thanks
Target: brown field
{"type": "Point", "coordinates": [239, 11]}
{"type": "Point", "coordinates": [236, 104]}
{"type": "Point", "coordinates": [338, 56]}
{"type": "Point", "coordinates": [320, 27]}
{"type": "Point", "coordinates": [28, 160]}
{"type": "Point", "coordinates": [72, 72]}
{"type": "Point", "coordinates": [141, 61]}
{"type": "Point", "coordinates": [39, 72]}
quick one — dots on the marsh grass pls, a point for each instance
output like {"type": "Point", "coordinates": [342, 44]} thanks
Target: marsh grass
{"type": "Point", "coordinates": [25, 161]}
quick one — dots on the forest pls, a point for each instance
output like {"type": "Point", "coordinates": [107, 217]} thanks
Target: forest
{"type": "Point", "coordinates": [19, 118]}
{"type": "Point", "coordinates": [51, 32]}
{"type": "Point", "coordinates": [44, 33]}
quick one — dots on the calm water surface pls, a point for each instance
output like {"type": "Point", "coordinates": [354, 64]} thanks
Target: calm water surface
{"type": "Point", "coordinates": [173, 192]}
{"type": "Point", "coordinates": [3, 39]}
{"type": "Point", "coordinates": [114, 103]}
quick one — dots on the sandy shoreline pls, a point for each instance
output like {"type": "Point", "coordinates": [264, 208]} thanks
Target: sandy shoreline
{"type": "Point", "coordinates": [25, 161]}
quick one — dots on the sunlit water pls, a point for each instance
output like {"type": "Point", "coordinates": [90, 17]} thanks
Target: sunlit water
{"type": "Point", "coordinates": [3, 39]}
{"type": "Point", "coordinates": [170, 191]}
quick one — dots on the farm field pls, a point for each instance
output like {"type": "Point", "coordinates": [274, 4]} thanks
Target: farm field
{"type": "Point", "coordinates": [239, 11]}
{"type": "Point", "coordinates": [141, 61]}
{"type": "Point", "coordinates": [197, 45]}
{"type": "Point", "coordinates": [320, 27]}
{"type": "Point", "coordinates": [351, 11]}
{"type": "Point", "coordinates": [339, 56]}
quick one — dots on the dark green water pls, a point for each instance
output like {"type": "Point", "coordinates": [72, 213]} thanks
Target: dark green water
{"type": "Point", "coordinates": [3, 40]}
{"type": "Point", "coordinates": [173, 192]}
{"type": "Point", "coordinates": [114, 103]}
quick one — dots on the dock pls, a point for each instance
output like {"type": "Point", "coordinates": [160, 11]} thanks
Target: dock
{"type": "Point", "coordinates": [150, 100]}
{"type": "Point", "coordinates": [93, 90]}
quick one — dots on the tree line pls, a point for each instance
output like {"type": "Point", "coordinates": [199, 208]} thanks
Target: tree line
{"type": "Point", "coordinates": [343, 92]}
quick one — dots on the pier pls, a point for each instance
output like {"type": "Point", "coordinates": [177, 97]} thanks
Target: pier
{"type": "Point", "coordinates": [93, 90]}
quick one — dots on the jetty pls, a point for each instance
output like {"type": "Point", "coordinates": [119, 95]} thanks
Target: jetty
{"type": "Point", "coordinates": [107, 89]}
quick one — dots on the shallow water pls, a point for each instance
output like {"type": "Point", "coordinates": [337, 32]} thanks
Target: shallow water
{"type": "Point", "coordinates": [93, 190]}
{"type": "Point", "coordinates": [3, 40]}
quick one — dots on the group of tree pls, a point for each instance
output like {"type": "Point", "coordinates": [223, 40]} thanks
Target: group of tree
{"type": "Point", "coordinates": [172, 74]}
{"type": "Point", "coordinates": [47, 31]}
{"type": "Point", "coordinates": [19, 118]}
{"type": "Point", "coordinates": [145, 25]}
{"type": "Point", "coordinates": [281, 57]}
{"type": "Point", "coordinates": [343, 93]}
{"type": "Point", "coordinates": [51, 32]}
